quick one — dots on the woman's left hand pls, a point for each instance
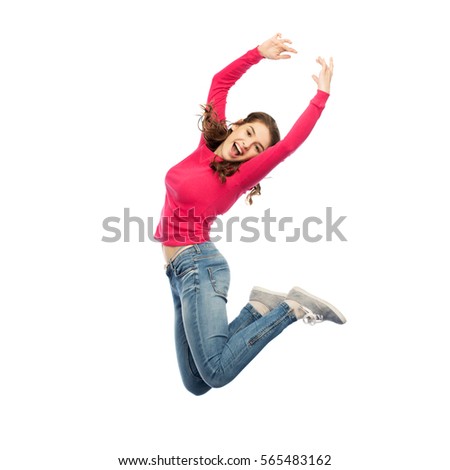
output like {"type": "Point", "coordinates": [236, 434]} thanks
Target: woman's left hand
{"type": "Point", "coordinates": [276, 48]}
{"type": "Point", "coordinates": [326, 72]}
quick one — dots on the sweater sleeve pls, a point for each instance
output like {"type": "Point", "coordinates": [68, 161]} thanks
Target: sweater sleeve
{"type": "Point", "coordinates": [253, 171]}
{"type": "Point", "coordinates": [226, 78]}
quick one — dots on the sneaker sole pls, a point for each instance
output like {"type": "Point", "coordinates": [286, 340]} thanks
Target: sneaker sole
{"type": "Point", "coordinates": [331, 307]}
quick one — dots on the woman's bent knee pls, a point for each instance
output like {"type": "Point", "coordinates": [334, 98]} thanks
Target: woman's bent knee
{"type": "Point", "coordinates": [197, 388]}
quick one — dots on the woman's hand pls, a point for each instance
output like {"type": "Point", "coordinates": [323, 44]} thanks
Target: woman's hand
{"type": "Point", "coordinates": [276, 48]}
{"type": "Point", "coordinates": [326, 72]}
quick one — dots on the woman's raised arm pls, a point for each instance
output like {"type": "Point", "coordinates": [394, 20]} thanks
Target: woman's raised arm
{"type": "Point", "coordinates": [274, 48]}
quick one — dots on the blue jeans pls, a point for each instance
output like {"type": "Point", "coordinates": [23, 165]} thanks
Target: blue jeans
{"type": "Point", "coordinates": [211, 352]}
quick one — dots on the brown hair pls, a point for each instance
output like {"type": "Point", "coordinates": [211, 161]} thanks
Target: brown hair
{"type": "Point", "coordinates": [215, 131]}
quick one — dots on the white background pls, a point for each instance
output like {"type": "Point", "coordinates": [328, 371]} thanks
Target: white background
{"type": "Point", "coordinates": [98, 100]}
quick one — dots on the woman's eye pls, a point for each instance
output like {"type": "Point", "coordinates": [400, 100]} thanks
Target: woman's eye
{"type": "Point", "coordinates": [249, 133]}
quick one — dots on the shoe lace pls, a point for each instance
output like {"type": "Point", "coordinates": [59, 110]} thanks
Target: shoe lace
{"type": "Point", "coordinates": [311, 318]}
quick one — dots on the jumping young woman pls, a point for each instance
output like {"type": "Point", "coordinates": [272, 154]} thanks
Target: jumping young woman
{"type": "Point", "coordinates": [228, 162]}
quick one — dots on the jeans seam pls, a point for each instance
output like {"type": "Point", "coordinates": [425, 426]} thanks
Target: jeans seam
{"type": "Point", "coordinates": [267, 330]}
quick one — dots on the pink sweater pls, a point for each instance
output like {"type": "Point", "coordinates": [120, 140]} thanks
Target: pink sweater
{"type": "Point", "coordinates": [194, 194]}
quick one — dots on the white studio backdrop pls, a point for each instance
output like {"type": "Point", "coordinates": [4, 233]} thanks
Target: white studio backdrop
{"type": "Point", "coordinates": [98, 100]}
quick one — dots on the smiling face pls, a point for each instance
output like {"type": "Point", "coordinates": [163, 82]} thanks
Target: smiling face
{"type": "Point", "coordinates": [247, 140]}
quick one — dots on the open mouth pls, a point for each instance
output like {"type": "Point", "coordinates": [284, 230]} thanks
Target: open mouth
{"type": "Point", "coordinates": [237, 150]}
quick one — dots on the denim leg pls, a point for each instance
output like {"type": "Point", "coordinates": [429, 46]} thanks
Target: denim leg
{"type": "Point", "coordinates": [247, 316]}
{"type": "Point", "coordinates": [188, 370]}
{"type": "Point", "coordinates": [219, 355]}
{"type": "Point", "coordinates": [200, 279]}
{"type": "Point", "coordinates": [219, 358]}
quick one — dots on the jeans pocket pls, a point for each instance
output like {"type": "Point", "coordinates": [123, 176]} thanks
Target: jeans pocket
{"type": "Point", "coordinates": [183, 266]}
{"type": "Point", "coordinates": [220, 279]}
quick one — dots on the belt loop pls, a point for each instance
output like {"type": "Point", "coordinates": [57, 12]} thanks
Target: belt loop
{"type": "Point", "coordinates": [197, 248]}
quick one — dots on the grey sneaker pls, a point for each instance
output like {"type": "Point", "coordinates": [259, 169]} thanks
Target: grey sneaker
{"type": "Point", "coordinates": [316, 310]}
{"type": "Point", "coordinates": [267, 297]}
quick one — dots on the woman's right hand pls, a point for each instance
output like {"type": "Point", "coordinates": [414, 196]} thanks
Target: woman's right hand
{"type": "Point", "coordinates": [276, 48]}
